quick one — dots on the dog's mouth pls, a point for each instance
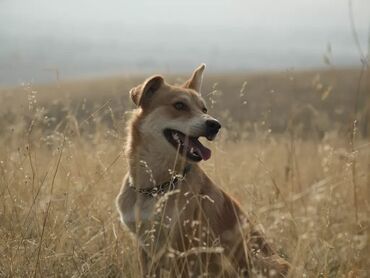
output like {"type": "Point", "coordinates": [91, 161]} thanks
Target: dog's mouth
{"type": "Point", "coordinates": [188, 146]}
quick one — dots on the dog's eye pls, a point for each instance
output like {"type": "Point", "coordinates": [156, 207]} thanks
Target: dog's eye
{"type": "Point", "coordinates": [205, 110]}
{"type": "Point", "coordinates": [180, 105]}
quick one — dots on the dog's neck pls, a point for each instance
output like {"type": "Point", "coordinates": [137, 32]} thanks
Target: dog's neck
{"type": "Point", "coordinates": [150, 168]}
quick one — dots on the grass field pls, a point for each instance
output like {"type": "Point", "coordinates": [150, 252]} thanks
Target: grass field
{"type": "Point", "coordinates": [289, 152]}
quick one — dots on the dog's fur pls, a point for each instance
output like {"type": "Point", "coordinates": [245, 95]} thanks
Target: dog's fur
{"type": "Point", "coordinates": [196, 228]}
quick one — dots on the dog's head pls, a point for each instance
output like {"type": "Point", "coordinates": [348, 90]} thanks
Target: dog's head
{"type": "Point", "coordinates": [172, 118]}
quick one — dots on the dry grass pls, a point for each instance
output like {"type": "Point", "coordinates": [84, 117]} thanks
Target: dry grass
{"type": "Point", "coordinates": [284, 153]}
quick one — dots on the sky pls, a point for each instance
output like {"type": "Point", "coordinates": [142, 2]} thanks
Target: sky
{"type": "Point", "coordinates": [91, 38]}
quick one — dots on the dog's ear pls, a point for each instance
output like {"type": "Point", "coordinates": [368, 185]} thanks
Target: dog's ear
{"type": "Point", "coordinates": [141, 94]}
{"type": "Point", "coordinates": [196, 79]}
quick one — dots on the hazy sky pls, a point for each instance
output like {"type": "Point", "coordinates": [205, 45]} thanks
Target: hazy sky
{"type": "Point", "coordinates": [91, 37]}
{"type": "Point", "coordinates": [333, 13]}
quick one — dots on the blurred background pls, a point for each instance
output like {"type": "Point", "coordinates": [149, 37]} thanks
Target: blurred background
{"type": "Point", "coordinates": [91, 38]}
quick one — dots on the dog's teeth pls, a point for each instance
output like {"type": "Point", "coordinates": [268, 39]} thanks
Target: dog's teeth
{"type": "Point", "coordinates": [176, 137]}
{"type": "Point", "coordinates": [192, 150]}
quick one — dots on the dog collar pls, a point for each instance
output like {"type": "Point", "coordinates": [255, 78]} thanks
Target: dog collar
{"type": "Point", "coordinates": [164, 187]}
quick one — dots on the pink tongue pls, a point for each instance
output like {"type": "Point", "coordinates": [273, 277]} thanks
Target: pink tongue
{"type": "Point", "coordinates": [204, 152]}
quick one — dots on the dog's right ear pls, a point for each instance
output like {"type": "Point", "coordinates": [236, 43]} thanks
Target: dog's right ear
{"type": "Point", "coordinates": [196, 79]}
{"type": "Point", "coordinates": [141, 94]}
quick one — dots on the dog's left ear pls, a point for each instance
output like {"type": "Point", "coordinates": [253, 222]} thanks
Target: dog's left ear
{"type": "Point", "coordinates": [141, 94]}
{"type": "Point", "coordinates": [196, 79]}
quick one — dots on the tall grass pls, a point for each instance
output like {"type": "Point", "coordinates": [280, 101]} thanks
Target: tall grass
{"type": "Point", "coordinates": [284, 153]}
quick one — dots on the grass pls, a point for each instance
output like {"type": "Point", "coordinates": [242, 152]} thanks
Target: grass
{"type": "Point", "coordinates": [285, 154]}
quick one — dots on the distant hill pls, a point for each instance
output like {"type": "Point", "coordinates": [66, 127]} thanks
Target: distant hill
{"type": "Point", "coordinates": [313, 102]}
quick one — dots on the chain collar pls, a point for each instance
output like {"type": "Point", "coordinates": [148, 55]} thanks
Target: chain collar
{"type": "Point", "coordinates": [161, 189]}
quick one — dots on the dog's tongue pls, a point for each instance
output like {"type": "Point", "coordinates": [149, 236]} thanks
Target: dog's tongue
{"type": "Point", "coordinates": [204, 152]}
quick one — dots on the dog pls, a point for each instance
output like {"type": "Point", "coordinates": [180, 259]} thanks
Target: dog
{"type": "Point", "coordinates": [186, 226]}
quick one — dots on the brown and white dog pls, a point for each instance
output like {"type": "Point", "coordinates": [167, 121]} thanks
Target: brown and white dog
{"type": "Point", "coordinates": [186, 225]}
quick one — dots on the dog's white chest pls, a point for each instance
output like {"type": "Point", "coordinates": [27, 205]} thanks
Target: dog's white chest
{"type": "Point", "coordinates": [139, 213]}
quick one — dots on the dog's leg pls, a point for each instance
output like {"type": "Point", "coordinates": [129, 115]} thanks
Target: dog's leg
{"type": "Point", "coordinates": [143, 260]}
{"type": "Point", "coordinates": [251, 255]}
{"type": "Point", "coordinates": [244, 245]}
{"type": "Point", "coordinates": [148, 267]}
{"type": "Point", "coordinates": [265, 258]}
{"type": "Point", "coordinates": [273, 266]}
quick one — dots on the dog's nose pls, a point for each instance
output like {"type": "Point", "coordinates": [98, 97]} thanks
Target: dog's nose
{"type": "Point", "coordinates": [213, 126]}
